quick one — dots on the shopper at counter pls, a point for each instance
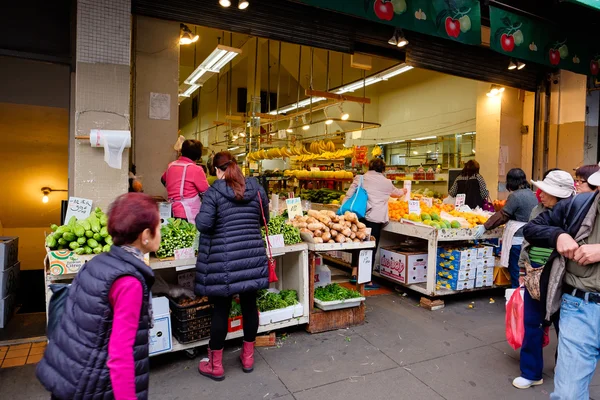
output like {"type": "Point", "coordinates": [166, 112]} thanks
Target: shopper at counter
{"type": "Point", "coordinates": [379, 190]}
{"type": "Point", "coordinates": [515, 214]}
{"type": "Point", "coordinates": [557, 186]}
{"type": "Point", "coordinates": [471, 184]}
{"type": "Point", "coordinates": [99, 347]}
{"type": "Point", "coordinates": [231, 258]}
{"type": "Point", "coordinates": [185, 181]}
{"type": "Point", "coordinates": [582, 174]}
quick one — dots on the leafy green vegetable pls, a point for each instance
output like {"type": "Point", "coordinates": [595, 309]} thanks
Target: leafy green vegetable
{"type": "Point", "coordinates": [177, 234]}
{"type": "Point", "coordinates": [278, 226]}
{"type": "Point", "coordinates": [268, 301]}
{"type": "Point", "coordinates": [236, 309]}
{"type": "Point", "coordinates": [333, 292]}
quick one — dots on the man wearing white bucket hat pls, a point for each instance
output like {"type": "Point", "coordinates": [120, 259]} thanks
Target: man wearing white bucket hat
{"type": "Point", "coordinates": [556, 186]}
{"type": "Point", "coordinates": [571, 282]}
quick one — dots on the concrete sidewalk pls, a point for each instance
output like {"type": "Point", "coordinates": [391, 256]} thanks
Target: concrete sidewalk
{"type": "Point", "coordinates": [402, 352]}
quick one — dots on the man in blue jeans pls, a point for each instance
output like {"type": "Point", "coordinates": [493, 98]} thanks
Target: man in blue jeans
{"type": "Point", "coordinates": [572, 284]}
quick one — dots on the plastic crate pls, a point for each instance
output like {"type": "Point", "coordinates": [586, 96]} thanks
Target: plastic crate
{"type": "Point", "coordinates": [192, 336]}
{"type": "Point", "coordinates": [189, 312]}
{"type": "Point", "coordinates": [191, 325]}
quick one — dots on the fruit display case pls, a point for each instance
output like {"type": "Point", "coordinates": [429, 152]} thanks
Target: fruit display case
{"type": "Point", "coordinates": [434, 238]}
{"type": "Point", "coordinates": [292, 271]}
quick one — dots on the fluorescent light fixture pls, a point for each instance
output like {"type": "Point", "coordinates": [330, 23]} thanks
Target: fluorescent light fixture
{"type": "Point", "coordinates": [305, 127]}
{"type": "Point", "coordinates": [188, 92]}
{"type": "Point", "coordinates": [395, 71]}
{"type": "Point", "coordinates": [243, 4]}
{"type": "Point", "coordinates": [468, 133]}
{"type": "Point", "coordinates": [428, 151]}
{"type": "Point", "coordinates": [396, 141]}
{"type": "Point", "coordinates": [426, 137]}
{"type": "Point", "coordinates": [241, 154]}
{"type": "Point", "coordinates": [213, 64]}
{"type": "Point", "coordinates": [295, 106]}
{"type": "Point", "coordinates": [235, 137]}
{"type": "Point", "coordinates": [233, 148]}
{"type": "Point", "coordinates": [415, 152]}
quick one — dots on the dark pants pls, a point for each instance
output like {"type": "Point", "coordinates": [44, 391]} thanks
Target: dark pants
{"type": "Point", "coordinates": [220, 318]}
{"type": "Point", "coordinates": [513, 265]}
{"type": "Point", "coordinates": [532, 355]}
{"type": "Point", "coordinates": [376, 228]}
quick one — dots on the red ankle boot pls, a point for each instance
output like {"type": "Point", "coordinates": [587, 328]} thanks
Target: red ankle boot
{"type": "Point", "coordinates": [247, 357]}
{"type": "Point", "coordinates": [213, 366]}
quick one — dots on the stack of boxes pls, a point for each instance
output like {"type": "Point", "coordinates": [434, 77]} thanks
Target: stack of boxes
{"type": "Point", "coordinates": [9, 276]}
{"type": "Point", "coordinates": [465, 268]}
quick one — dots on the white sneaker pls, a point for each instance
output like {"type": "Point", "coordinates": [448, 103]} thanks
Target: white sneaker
{"type": "Point", "coordinates": [522, 383]}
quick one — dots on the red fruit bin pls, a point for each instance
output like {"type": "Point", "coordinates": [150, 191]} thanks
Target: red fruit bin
{"type": "Point", "coordinates": [235, 324]}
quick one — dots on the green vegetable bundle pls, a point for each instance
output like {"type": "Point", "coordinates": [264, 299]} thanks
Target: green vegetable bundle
{"type": "Point", "coordinates": [268, 301]}
{"type": "Point", "coordinates": [88, 236]}
{"type": "Point", "coordinates": [277, 226]}
{"type": "Point", "coordinates": [333, 292]}
{"type": "Point", "coordinates": [322, 196]}
{"type": "Point", "coordinates": [236, 309]}
{"type": "Point", "coordinates": [177, 234]}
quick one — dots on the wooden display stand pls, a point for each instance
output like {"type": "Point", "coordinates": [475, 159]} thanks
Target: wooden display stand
{"type": "Point", "coordinates": [322, 321]}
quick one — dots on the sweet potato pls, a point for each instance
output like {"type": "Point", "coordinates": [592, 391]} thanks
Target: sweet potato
{"type": "Point", "coordinates": [350, 216]}
{"type": "Point", "coordinates": [318, 240]}
{"type": "Point", "coordinates": [333, 233]}
{"type": "Point", "coordinates": [347, 232]}
{"type": "Point", "coordinates": [326, 236]}
{"type": "Point", "coordinates": [360, 225]}
{"type": "Point", "coordinates": [340, 238]}
{"type": "Point", "coordinates": [354, 228]}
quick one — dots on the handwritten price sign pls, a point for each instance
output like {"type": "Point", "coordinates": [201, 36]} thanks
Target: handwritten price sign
{"type": "Point", "coordinates": [460, 200]}
{"type": "Point", "coordinates": [294, 207]}
{"type": "Point", "coordinates": [78, 208]}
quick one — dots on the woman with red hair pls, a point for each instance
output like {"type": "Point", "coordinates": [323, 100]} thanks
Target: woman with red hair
{"type": "Point", "coordinates": [99, 348]}
{"type": "Point", "coordinates": [231, 258]}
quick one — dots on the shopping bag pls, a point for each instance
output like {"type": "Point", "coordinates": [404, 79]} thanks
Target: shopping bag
{"type": "Point", "coordinates": [515, 328]}
{"type": "Point", "coordinates": [357, 203]}
{"type": "Point", "coordinates": [271, 260]}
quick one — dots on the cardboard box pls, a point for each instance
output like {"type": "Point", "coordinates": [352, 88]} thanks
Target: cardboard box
{"type": "Point", "coordinates": [456, 264]}
{"type": "Point", "coordinates": [61, 262]}
{"type": "Point", "coordinates": [322, 275]}
{"type": "Point", "coordinates": [484, 280]}
{"type": "Point", "coordinates": [7, 307]}
{"type": "Point", "coordinates": [460, 275]}
{"type": "Point", "coordinates": [485, 271]}
{"type": "Point", "coordinates": [403, 267]}
{"type": "Point", "coordinates": [455, 284]}
{"type": "Point", "coordinates": [160, 335]}
{"type": "Point", "coordinates": [9, 279]}
{"type": "Point", "coordinates": [487, 262]}
{"type": "Point", "coordinates": [458, 254]}
{"type": "Point", "coordinates": [9, 251]}
{"type": "Point", "coordinates": [485, 251]}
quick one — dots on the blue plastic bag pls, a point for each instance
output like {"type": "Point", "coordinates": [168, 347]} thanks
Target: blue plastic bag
{"type": "Point", "coordinates": [357, 203]}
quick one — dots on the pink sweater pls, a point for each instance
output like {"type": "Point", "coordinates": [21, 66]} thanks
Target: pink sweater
{"type": "Point", "coordinates": [125, 298]}
{"type": "Point", "coordinates": [195, 182]}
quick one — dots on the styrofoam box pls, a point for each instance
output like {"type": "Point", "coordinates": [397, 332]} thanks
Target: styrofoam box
{"type": "Point", "coordinates": [322, 275]}
{"type": "Point", "coordinates": [485, 251]}
{"type": "Point", "coordinates": [338, 304]}
{"type": "Point", "coordinates": [160, 335]}
{"type": "Point", "coordinates": [484, 280]}
{"type": "Point", "coordinates": [9, 251]}
{"type": "Point", "coordinates": [9, 280]}
{"type": "Point", "coordinates": [282, 314]}
{"type": "Point", "coordinates": [7, 306]}
{"type": "Point", "coordinates": [464, 275]}
{"type": "Point", "coordinates": [403, 267]}
{"type": "Point", "coordinates": [485, 271]}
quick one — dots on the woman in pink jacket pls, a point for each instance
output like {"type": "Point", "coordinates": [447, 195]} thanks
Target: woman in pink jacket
{"type": "Point", "coordinates": [185, 181]}
{"type": "Point", "coordinates": [379, 190]}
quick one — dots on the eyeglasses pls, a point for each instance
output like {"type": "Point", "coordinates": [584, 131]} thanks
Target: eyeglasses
{"type": "Point", "coordinates": [580, 181]}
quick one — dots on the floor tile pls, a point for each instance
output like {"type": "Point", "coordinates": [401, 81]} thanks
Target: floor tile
{"type": "Point", "coordinates": [14, 362]}
{"type": "Point", "coordinates": [34, 359]}
{"type": "Point", "coordinates": [17, 353]}
{"type": "Point", "coordinates": [380, 385]}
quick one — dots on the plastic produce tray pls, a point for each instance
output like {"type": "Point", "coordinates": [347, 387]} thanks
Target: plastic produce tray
{"type": "Point", "coordinates": [190, 312]}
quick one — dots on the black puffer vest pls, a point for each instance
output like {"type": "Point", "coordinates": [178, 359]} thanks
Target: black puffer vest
{"type": "Point", "coordinates": [74, 364]}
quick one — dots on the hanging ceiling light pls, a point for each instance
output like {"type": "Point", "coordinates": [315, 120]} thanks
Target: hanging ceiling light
{"type": "Point", "coordinates": [344, 115]}
{"type": "Point", "coordinates": [290, 127]}
{"type": "Point", "coordinates": [328, 122]}
{"type": "Point", "coordinates": [495, 90]}
{"type": "Point", "coordinates": [305, 126]}
{"type": "Point", "coordinates": [512, 65]}
{"type": "Point", "coordinates": [401, 41]}
{"type": "Point", "coordinates": [186, 36]}
{"type": "Point", "coordinates": [520, 65]}
{"type": "Point", "coordinates": [393, 40]}
{"type": "Point", "coordinates": [243, 4]}
{"type": "Point", "coordinates": [225, 3]}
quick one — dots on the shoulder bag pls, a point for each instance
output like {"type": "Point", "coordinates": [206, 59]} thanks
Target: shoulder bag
{"type": "Point", "coordinates": [272, 263]}
{"type": "Point", "coordinates": [357, 203]}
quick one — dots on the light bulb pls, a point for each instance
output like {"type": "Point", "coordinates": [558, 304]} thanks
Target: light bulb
{"type": "Point", "coordinates": [225, 3]}
{"type": "Point", "coordinates": [45, 199]}
{"type": "Point", "coordinates": [289, 130]}
{"type": "Point", "coordinates": [195, 38]}
{"type": "Point", "coordinates": [402, 42]}
{"type": "Point", "coordinates": [329, 122]}
{"type": "Point", "coordinates": [520, 65]}
{"type": "Point", "coordinates": [415, 152]}
{"type": "Point", "coordinates": [306, 127]}
{"type": "Point", "coordinates": [345, 116]}
{"type": "Point", "coordinates": [185, 40]}
{"type": "Point", "coordinates": [512, 65]}
{"type": "Point", "coordinates": [243, 4]}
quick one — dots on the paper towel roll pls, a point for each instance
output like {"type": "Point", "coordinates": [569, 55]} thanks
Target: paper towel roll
{"type": "Point", "coordinates": [113, 142]}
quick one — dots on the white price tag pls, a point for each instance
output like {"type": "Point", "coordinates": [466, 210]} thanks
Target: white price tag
{"type": "Point", "coordinates": [407, 187]}
{"type": "Point", "coordinates": [294, 207]}
{"type": "Point", "coordinates": [460, 200]}
{"type": "Point", "coordinates": [414, 207]}
{"type": "Point", "coordinates": [365, 258]}
{"type": "Point", "coordinates": [276, 241]}
{"type": "Point", "coordinates": [78, 208]}
{"type": "Point", "coordinates": [186, 279]}
{"type": "Point", "coordinates": [428, 201]}
{"type": "Point", "coordinates": [164, 209]}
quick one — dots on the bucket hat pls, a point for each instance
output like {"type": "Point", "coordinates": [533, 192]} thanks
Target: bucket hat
{"type": "Point", "coordinates": [558, 184]}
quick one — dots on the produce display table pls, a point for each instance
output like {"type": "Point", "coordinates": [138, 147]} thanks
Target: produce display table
{"type": "Point", "coordinates": [292, 271]}
{"type": "Point", "coordinates": [433, 237]}
{"type": "Point", "coordinates": [321, 321]}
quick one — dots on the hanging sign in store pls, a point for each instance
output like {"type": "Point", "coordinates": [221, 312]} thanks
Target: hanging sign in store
{"type": "Point", "coordinates": [294, 207]}
{"type": "Point", "coordinates": [414, 207]}
{"type": "Point", "coordinates": [527, 39]}
{"type": "Point", "coordinates": [78, 208]}
{"type": "Point", "coordinates": [407, 187]}
{"type": "Point", "coordinates": [458, 20]}
{"type": "Point", "coordinates": [460, 200]}
{"type": "Point", "coordinates": [364, 266]}
{"type": "Point", "coordinates": [595, 4]}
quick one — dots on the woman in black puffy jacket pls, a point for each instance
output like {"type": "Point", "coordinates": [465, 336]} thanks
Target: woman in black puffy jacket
{"type": "Point", "coordinates": [231, 258]}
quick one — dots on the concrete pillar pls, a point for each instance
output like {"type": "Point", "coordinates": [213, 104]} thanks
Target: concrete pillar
{"type": "Point", "coordinates": [156, 72]}
{"type": "Point", "coordinates": [591, 128]}
{"type": "Point", "coordinates": [567, 121]}
{"type": "Point", "coordinates": [101, 96]}
{"type": "Point", "coordinates": [488, 136]}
